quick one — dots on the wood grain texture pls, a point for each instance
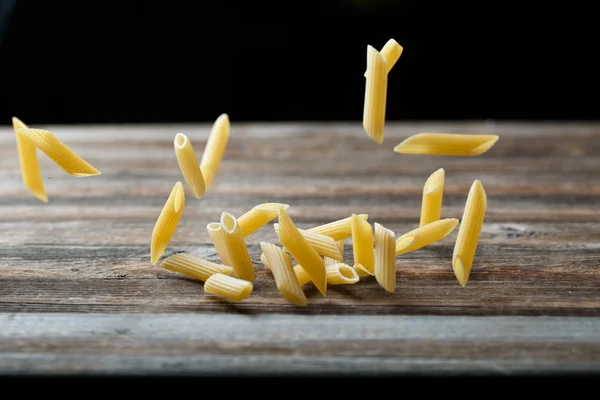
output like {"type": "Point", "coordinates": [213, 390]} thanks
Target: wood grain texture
{"type": "Point", "coordinates": [87, 251]}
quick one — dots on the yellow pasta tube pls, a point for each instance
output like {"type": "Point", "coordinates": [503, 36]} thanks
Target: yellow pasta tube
{"type": "Point", "coordinates": [425, 235]}
{"type": "Point", "coordinates": [217, 237]}
{"type": "Point", "coordinates": [291, 238]}
{"type": "Point", "coordinates": [337, 230]}
{"type": "Point", "coordinates": [236, 248]}
{"type": "Point", "coordinates": [283, 272]}
{"type": "Point", "coordinates": [259, 216]}
{"type": "Point", "coordinates": [214, 150]}
{"type": "Point", "coordinates": [385, 258]}
{"type": "Point", "coordinates": [468, 233]}
{"type": "Point", "coordinates": [194, 267]}
{"type": "Point", "coordinates": [391, 52]}
{"type": "Point", "coordinates": [58, 152]}
{"type": "Point", "coordinates": [362, 243]}
{"type": "Point", "coordinates": [332, 261]}
{"type": "Point", "coordinates": [341, 274]}
{"type": "Point", "coordinates": [188, 163]}
{"type": "Point", "coordinates": [167, 222]}
{"type": "Point", "coordinates": [375, 95]}
{"type": "Point", "coordinates": [301, 275]}
{"type": "Point", "coordinates": [446, 144]}
{"type": "Point", "coordinates": [362, 271]}
{"type": "Point", "coordinates": [30, 167]}
{"type": "Point", "coordinates": [433, 193]}
{"type": "Point", "coordinates": [228, 287]}
{"type": "Point", "coordinates": [323, 245]}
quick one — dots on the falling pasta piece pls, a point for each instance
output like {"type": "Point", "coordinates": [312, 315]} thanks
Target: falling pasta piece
{"type": "Point", "coordinates": [446, 144]}
{"type": "Point", "coordinates": [375, 95]}
{"type": "Point", "coordinates": [341, 274]}
{"type": "Point", "coordinates": [188, 163]}
{"type": "Point", "coordinates": [167, 222]}
{"type": "Point", "coordinates": [361, 271]}
{"type": "Point", "coordinates": [283, 272]}
{"type": "Point", "coordinates": [228, 287]}
{"type": "Point", "coordinates": [337, 230]}
{"type": "Point", "coordinates": [332, 261]}
{"type": "Point", "coordinates": [323, 245]}
{"type": "Point", "coordinates": [433, 193]}
{"type": "Point", "coordinates": [291, 238]}
{"type": "Point", "coordinates": [468, 233]}
{"type": "Point", "coordinates": [194, 267]}
{"type": "Point", "coordinates": [30, 167]}
{"type": "Point", "coordinates": [385, 258]}
{"type": "Point", "coordinates": [362, 244]}
{"type": "Point", "coordinates": [259, 216]}
{"type": "Point", "coordinates": [391, 52]}
{"type": "Point", "coordinates": [217, 237]}
{"type": "Point", "coordinates": [214, 150]}
{"type": "Point", "coordinates": [425, 235]}
{"type": "Point", "coordinates": [238, 254]}
{"type": "Point", "coordinates": [58, 152]}
{"type": "Point", "coordinates": [301, 275]}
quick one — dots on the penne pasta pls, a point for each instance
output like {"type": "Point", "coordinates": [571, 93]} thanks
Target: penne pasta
{"type": "Point", "coordinates": [259, 216]}
{"type": "Point", "coordinates": [391, 52]}
{"type": "Point", "coordinates": [433, 193]}
{"type": "Point", "coordinates": [301, 275]}
{"type": "Point", "coordinates": [167, 222]}
{"type": "Point", "coordinates": [337, 230]}
{"type": "Point", "coordinates": [385, 258]}
{"type": "Point", "coordinates": [332, 261]}
{"type": "Point", "coordinates": [425, 235]}
{"type": "Point", "coordinates": [214, 150]}
{"type": "Point", "coordinates": [468, 233]}
{"type": "Point", "coordinates": [323, 245]}
{"type": "Point", "coordinates": [188, 163]}
{"type": "Point", "coordinates": [217, 237]}
{"type": "Point", "coordinates": [446, 144]}
{"type": "Point", "coordinates": [58, 152]}
{"type": "Point", "coordinates": [361, 271]}
{"type": "Point", "coordinates": [362, 244]}
{"type": "Point", "coordinates": [341, 274]}
{"type": "Point", "coordinates": [291, 238]}
{"type": "Point", "coordinates": [30, 167]}
{"type": "Point", "coordinates": [194, 267]}
{"type": "Point", "coordinates": [228, 287]}
{"type": "Point", "coordinates": [283, 272]}
{"type": "Point", "coordinates": [265, 261]}
{"type": "Point", "coordinates": [237, 252]}
{"type": "Point", "coordinates": [375, 95]}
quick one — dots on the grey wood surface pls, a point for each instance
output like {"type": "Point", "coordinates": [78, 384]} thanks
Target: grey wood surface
{"type": "Point", "coordinates": [86, 253]}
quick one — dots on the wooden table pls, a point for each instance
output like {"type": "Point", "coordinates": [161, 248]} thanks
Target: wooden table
{"type": "Point", "coordinates": [78, 293]}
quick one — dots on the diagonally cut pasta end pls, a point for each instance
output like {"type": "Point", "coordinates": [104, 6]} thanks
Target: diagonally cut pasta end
{"type": "Point", "coordinates": [434, 181]}
{"type": "Point", "coordinates": [229, 222]}
{"type": "Point", "coordinates": [459, 270]}
{"type": "Point", "coordinates": [93, 172]}
{"type": "Point", "coordinates": [404, 146]}
{"type": "Point", "coordinates": [361, 271]}
{"type": "Point", "coordinates": [403, 244]}
{"type": "Point", "coordinates": [180, 141]}
{"type": "Point", "coordinates": [18, 124]}
{"type": "Point", "coordinates": [293, 297]}
{"type": "Point", "coordinates": [482, 148]}
{"type": "Point", "coordinates": [179, 201]}
{"type": "Point", "coordinates": [40, 194]}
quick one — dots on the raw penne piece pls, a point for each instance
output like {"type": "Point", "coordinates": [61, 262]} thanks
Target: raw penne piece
{"type": "Point", "coordinates": [323, 245]}
{"type": "Point", "coordinates": [385, 258]}
{"type": "Point", "coordinates": [228, 287]}
{"type": "Point", "coordinates": [188, 163]}
{"type": "Point", "coordinates": [259, 216]}
{"type": "Point", "coordinates": [167, 222]}
{"type": "Point", "coordinates": [337, 230]}
{"type": "Point", "coordinates": [214, 150]}
{"type": "Point", "coordinates": [283, 272]}
{"type": "Point", "coordinates": [446, 144]}
{"type": "Point", "coordinates": [341, 274]}
{"type": "Point", "coordinates": [425, 235]}
{"type": "Point", "coordinates": [301, 275]}
{"type": "Point", "coordinates": [291, 238]}
{"type": "Point", "coordinates": [391, 52]}
{"type": "Point", "coordinates": [30, 167]}
{"type": "Point", "coordinates": [375, 95]}
{"type": "Point", "coordinates": [468, 233]}
{"type": "Point", "coordinates": [362, 243]}
{"type": "Point", "coordinates": [433, 193]}
{"type": "Point", "coordinates": [236, 248]}
{"type": "Point", "coordinates": [58, 152]}
{"type": "Point", "coordinates": [194, 267]}
{"type": "Point", "coordinates": [217, 237]}
{"type": "Point", "coordinates": [361, 271]}
{"type": "Point", "coordinates": [332, 261]}
{"type": "Point", "coordinates": [265, 261]}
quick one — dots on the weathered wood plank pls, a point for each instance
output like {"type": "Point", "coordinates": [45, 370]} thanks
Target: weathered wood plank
{"type": "Point", "coordinates": [295, 345]}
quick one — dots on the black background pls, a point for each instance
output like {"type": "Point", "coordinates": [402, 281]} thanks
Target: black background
{"type": "Point", "coordinates": [126, 61]}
